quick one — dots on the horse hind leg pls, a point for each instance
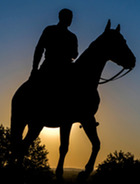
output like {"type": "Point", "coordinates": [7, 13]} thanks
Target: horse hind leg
{"type": "Point", "coordinates": [17, 128]}
{"type": "Point", "coordinates": [19, 145]}
{"type": "Point", "coordinates": [32, 134]}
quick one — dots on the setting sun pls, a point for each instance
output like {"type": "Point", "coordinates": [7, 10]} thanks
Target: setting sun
{"type": "Point", "coordinates": [51, 132]}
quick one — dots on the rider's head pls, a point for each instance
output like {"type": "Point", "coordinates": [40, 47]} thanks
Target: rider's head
{"type": "Point", "coordinates": [65, 17]}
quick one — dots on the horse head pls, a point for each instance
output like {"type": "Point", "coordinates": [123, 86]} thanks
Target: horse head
{"type": "Point", "coordinates": [117, 49]}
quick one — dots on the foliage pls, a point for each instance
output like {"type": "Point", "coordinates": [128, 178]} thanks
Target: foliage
{"type": "Point", "coordinates": [119, 166]}
{"type": "Point", "coordinates": [35, 158]}
{"type": "Point", "coordinates": [4, 146]}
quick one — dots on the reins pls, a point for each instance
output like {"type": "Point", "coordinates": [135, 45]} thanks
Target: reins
{"type": "Point", "coordinates": [115, 77]}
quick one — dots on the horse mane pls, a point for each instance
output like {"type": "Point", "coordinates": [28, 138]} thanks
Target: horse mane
{"type": "Point", "coordinates": [88, 54]}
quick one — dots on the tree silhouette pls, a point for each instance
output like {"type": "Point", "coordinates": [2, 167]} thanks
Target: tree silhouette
{"type": "Point", "coordinates": [35, 164]}
{"type": "Point", "coordinates": [118, 167]}
{"type": "Point", "coordinates": [4, 146]}
{"type": "Point", "coordinates": [34, 159]}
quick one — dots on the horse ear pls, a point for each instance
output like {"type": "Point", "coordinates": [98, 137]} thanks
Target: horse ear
{"type": "Point", "coordinates": [118, 28]}
{"type": "Point", "coordinates": [108, 25]}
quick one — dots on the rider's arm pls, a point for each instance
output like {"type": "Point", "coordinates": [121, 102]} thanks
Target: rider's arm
{"type": "Point", "coordinates": [74, 48]}
{"type": "Point", "coordinates": [39, 51]}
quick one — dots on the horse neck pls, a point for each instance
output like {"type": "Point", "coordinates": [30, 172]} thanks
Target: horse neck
{"type": "Point", "coordinates": [93, 60]}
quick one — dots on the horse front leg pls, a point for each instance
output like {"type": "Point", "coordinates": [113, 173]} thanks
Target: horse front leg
{"type": "Point", "coordinates": [90, 128]}
{"type": "Point", "coordinates": [64, 143]}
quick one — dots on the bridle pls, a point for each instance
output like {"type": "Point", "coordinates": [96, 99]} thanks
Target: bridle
{"type": "Point", "coordinates": [115, 77]}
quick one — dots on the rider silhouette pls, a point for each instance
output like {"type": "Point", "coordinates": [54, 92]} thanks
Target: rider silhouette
{"type": "Point", "coordinates": [60, 45]}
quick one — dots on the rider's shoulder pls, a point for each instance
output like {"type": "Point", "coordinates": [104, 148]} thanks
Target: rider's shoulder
{"type": "Point", "coordinates": [50, 28]}
{"type": "Point", "coordinates": [72, 35]}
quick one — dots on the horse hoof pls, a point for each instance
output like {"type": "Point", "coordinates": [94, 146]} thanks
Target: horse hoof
{"type": "Point", "coordinates": [82, 176]}
{"type": "Point", "coordinates": [60, 180]}
{"type": "Point", "coordinates": [59, 175]}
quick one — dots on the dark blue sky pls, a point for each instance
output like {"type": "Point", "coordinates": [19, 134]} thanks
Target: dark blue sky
{"type": "Point", "coordinates": [21, 24]}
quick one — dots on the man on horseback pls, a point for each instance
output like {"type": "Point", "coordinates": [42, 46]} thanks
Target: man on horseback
{"type": "Point", "coordinates": [60, 45]}
{"type": "Point", "coordinates": [59, 108]}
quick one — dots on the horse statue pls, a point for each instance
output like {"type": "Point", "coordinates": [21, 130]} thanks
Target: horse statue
{"type": "Point", "coordinates": [62, 103]}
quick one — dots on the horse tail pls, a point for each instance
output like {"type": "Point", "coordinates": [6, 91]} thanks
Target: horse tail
{"type": "Point", "coordinates": [18, 114]}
